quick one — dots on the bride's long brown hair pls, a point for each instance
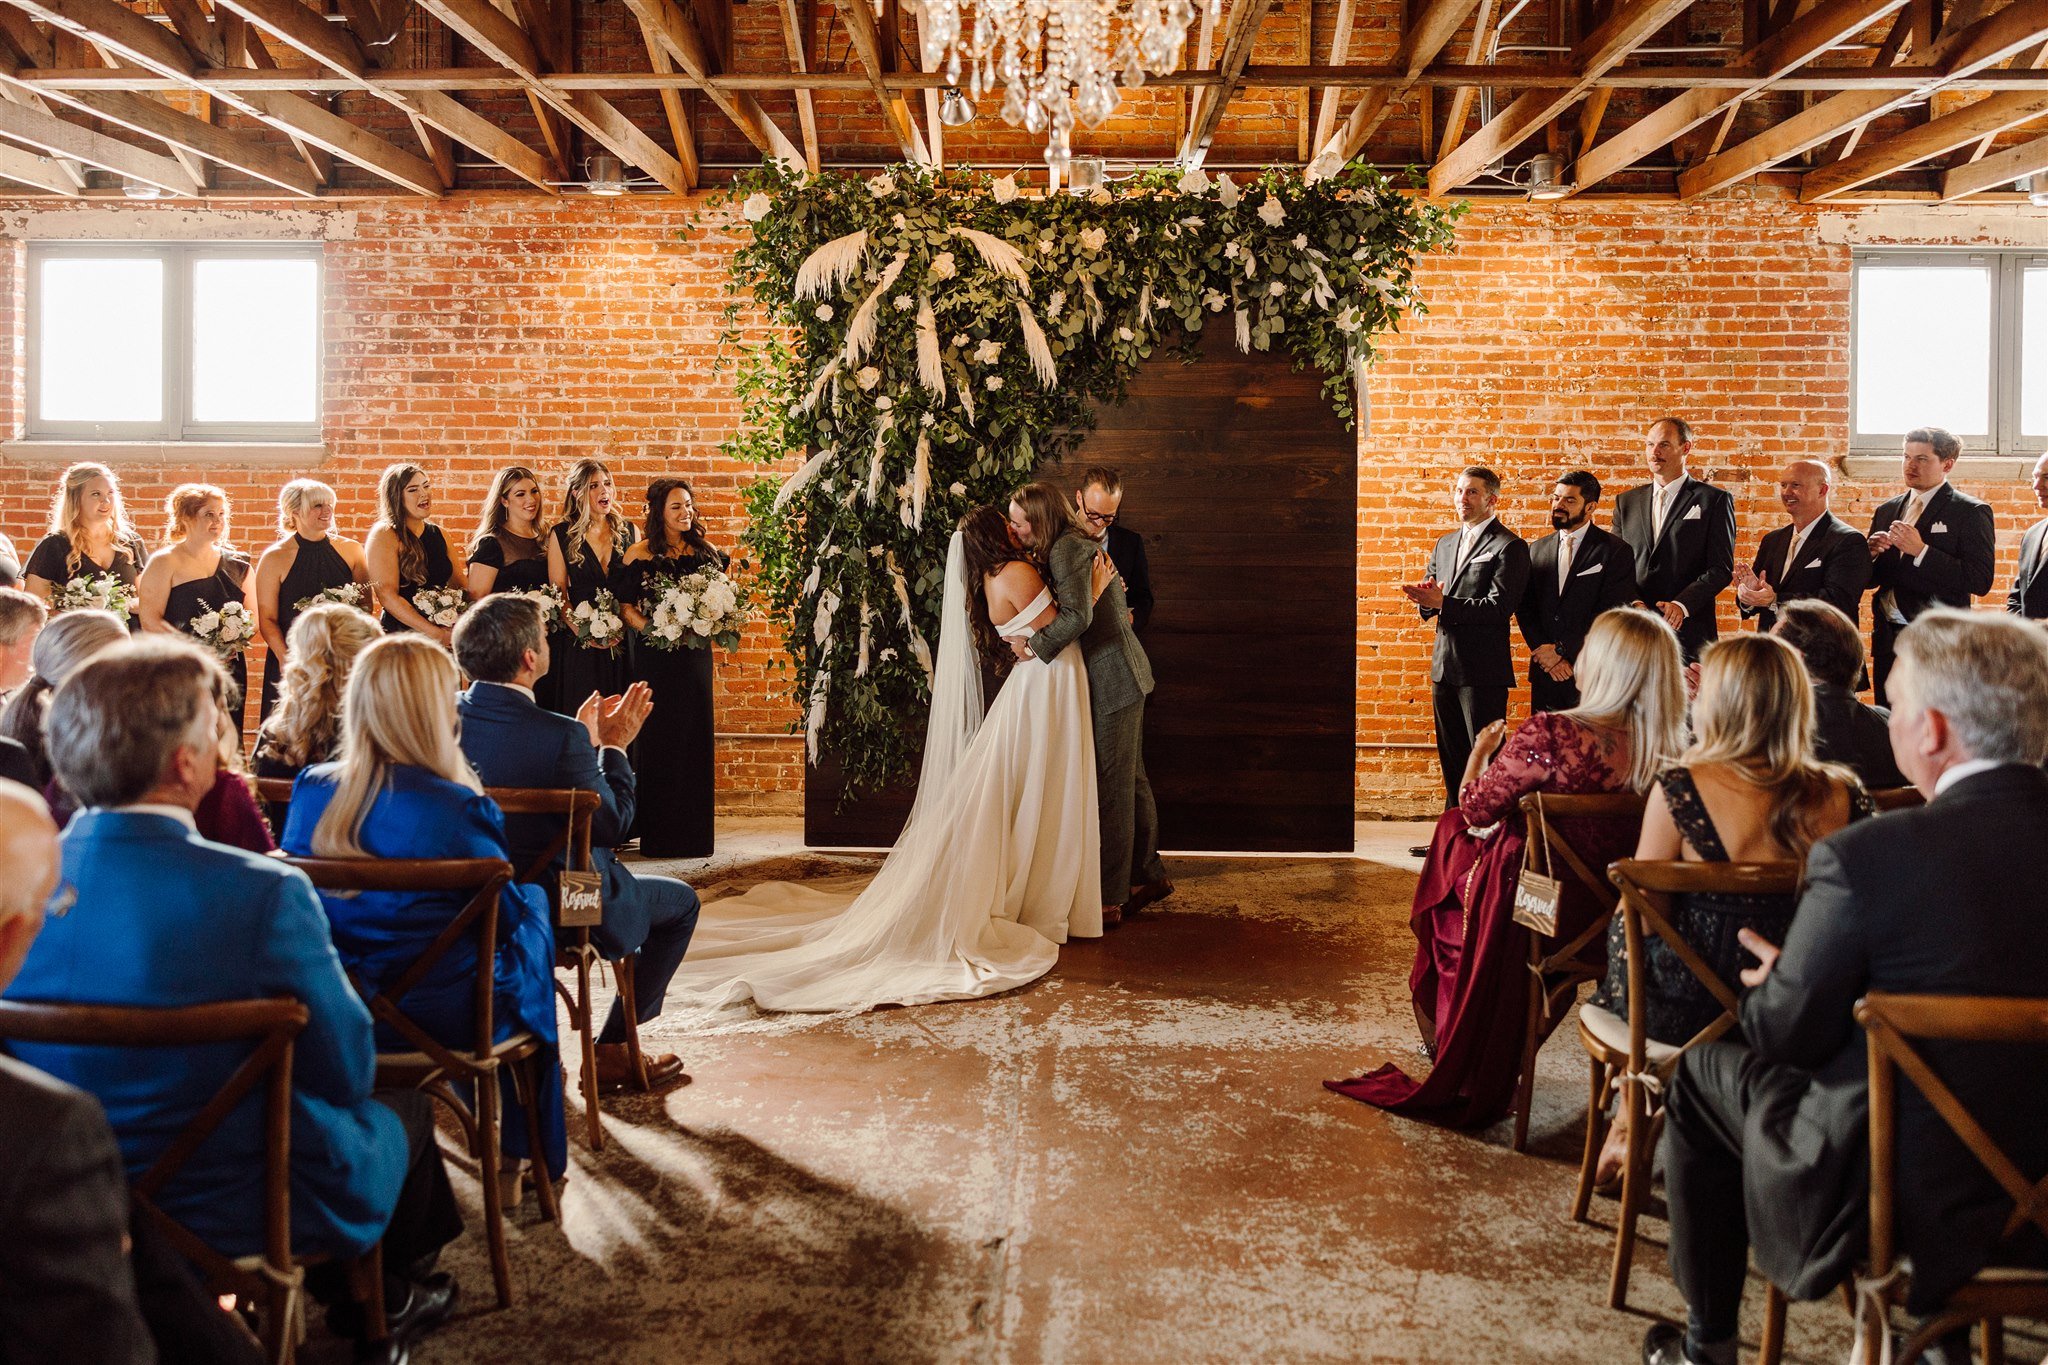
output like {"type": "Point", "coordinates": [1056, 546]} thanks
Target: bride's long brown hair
{"type": "Point", "coordinates": [985, 543]}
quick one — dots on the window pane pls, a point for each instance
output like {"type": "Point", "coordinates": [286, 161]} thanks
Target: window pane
{"type": "Point", "coordinates": [2034, 353]}
{"type": "Point", "coordinates": [255, 340]}
{"type": "Point", "coordinates": [100, 357]}
{"type": "Point", "coordinates": [1923, 348]}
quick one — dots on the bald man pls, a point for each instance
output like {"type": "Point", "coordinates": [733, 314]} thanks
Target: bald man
{"type": "Point", "coordinates": [1816, 555]}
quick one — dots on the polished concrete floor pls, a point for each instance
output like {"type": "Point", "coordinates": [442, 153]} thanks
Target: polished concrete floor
{"type": "Point", "coordinates": [1130, 1161]}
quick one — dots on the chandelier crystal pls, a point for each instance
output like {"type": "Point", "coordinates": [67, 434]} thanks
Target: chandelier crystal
{"type": "Point", "coordinates": [1058, 61]}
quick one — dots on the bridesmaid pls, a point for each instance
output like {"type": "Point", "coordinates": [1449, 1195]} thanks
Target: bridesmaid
{"type": "Point", "coordinates": [89, 535]}
{"type": "Point", "coordinates": [586, 551]}
{"type": "Point", "coordinates": [198, 573]}
{"type": "Point", "coordinates": [307, 561]}
{"type": "Point", "coordinates": [673, 754]}
{"type": "Point", "coordinates": [507, 553]}
{"type": "Point", "coordinates": [408, 553]}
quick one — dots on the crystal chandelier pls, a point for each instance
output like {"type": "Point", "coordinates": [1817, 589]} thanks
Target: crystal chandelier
{"type": "Point", "coordinates": [1057, 60]}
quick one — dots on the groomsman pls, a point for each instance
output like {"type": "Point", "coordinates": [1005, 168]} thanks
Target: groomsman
{"type": "Point", "coordinates": [1575, 573]}
{"type": "Point", "coordinates": [1097, 504]}
{"type": "Point", "coordinates": [1815, 555]}
{"type": "Point", "coordinates": [1477, 575]}
{"type": "Point", "coordinates": [2029, 595]}
{"type": "Point", "coordinates": [1932, 545]}
{"type": "Point", "coordinates": [1683, 532]}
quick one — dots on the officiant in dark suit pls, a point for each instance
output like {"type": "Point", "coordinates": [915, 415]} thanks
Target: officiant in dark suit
{"type": "Point", "coordinates": [1815, 555]}
{"type": "Point", "coordinates": [1575, 573]}
{"type": "Point", "coordinates": [1683, 532]}
{"type": "Point", "coordinates": [1477, 575]}
{"type": "Point", "coordinates": [2029, 595]}
{"type": "Point", "coordinates": [1098, 504]}
{"type": "Point", "coordinates": [1932, 545]}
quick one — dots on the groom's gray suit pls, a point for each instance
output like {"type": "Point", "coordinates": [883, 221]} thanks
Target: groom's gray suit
{"type": "Point", "coordinates": [1119, 680]}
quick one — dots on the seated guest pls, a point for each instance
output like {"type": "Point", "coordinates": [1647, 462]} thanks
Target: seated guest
{"type": "Point", "coordinates": [21, 618]}
{"type": "Point", "coordinates": [401, 789]}
{"type": "Point", "coordinates": [1846, 731]}
{"type": "Point", "coordinates": [1749, 790]}
{"type": "Point", "coordinates": [304, 727]}
{"type": "Point", "coordinates": [1468, 985]}
{"type": "Point", "coordinates": [162, 918]}
{"type": "Point", "coordinates": [513, 742]}
{"type": "Point", "coordinates": [60, 648]}
{"type": "Point", "coordinates": [1766, 1145]}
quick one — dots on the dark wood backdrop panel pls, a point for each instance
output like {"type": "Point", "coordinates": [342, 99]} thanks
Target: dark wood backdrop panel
{"type": "Point", "coordinates": [1244, 485]}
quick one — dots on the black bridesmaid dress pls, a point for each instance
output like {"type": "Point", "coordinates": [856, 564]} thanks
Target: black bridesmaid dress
{"type": "Point", "coordinates": [522, 565]}
{"type": "Point", "coordinates": [672, 759]}
{"type": "Point", "coordinates": [192, 599]}
{"type": "Point", "coordinates": [579, 670]}
{"type": "Point", "coordinates": [50, 560]}
{"type": "Point", "coordinates": [317, 567]}
{"type": "Point", "coordinates": [440, 568]}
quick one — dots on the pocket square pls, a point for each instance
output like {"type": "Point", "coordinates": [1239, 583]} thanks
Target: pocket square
{"type": "Point", "coordinates": [1938, 528]}
{"type": "Point", "coordinates": [1814, 565]}
{"type": "Point", "coordinates": [1691, 514]}
{"type": "Point", "coordinates": [1583, 572]}
{"type": "Point", "coordinates": [1480, 559]}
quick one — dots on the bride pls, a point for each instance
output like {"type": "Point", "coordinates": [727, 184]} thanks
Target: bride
{"type": "Point", "coordinates": [998, 864]}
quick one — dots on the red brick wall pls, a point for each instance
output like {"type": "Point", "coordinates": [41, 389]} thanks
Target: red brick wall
{"type": "Point", "coordinates": [474, 333]}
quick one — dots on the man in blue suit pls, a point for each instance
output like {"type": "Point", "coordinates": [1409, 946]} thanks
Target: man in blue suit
{"type": "Point", "coordinates": [163, 918]}
{"type": "Point", "coordinates": [512, 741]}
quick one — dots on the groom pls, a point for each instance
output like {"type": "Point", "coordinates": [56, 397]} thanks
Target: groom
{"type": "Point", "coordinates": [1119, 678]}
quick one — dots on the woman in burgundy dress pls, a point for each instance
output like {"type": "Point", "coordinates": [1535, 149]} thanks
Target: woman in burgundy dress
{"type": "Point", "coordinates": [1467, 983]}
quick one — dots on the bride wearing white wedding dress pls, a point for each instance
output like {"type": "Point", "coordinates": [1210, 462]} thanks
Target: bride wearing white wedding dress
{"type": "Point", "coordinates": [998, 864]}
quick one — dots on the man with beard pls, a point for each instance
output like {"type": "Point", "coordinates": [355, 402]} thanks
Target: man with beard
{"type": "Point", "coordinates": [1818, 555]}
{"type": "Point", "coordinates": [1575, 573]}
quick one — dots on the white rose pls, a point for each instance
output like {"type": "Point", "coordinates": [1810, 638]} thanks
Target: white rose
{"type": "Point", "coordinates": [685, 604]}
{"type": "Point", "coordinates": [756, 208]}
{"type": "Point", "coordinates": [1226, 190]}
{"type": "Point", "coordinates": [886, 655]}
{"type": "Point", "coordinates": [207, 624]}
{"type": "Point", "coordinates": [995, 382]}
{"type": "Point", "coordinates": [1193, 221]}
{"type": "Point", "coordinates": [868, 377]}
{"type": "Point", "coordinates": [943, 267]}
{"type": "Point", "coordinates": [880, 185]}
{"type": "Point", "coordinates": [702, 627]}
{"type": "Point", "coordinates": [959, 339]}
{"type": "Point", "coordinates": [1271, 213]}
{"type": "Point", "coordinates": [928, 420]}
{"type": "Point", "coordinates": [1193, 182]}
{"type": "Point", "coordinates": [1092, 239]}
{"type": "Point", "coordinates": [1004, 189]}
{"type": "Point", "coordinates": [1126, 334]}
{"type": "Point", "coordinates": [582, 612]}
{"type": "Point", "coordinates": [1230, 250]}
{"type": "Point", "coordinates": [1101, 196]}
{"type": "Point", "coordinates": [824, 312]}
{"type": "Point", "coordinates": [989, 352]}
{"type": "Point", "coordinates": [1276, 288]}
{"type": "Point", "coordinates": [884, 403]}
{"type": "Point", "coordinates": [1213, 301]}
{"type": "Point", "coordinates": [898, 221]}
{"type": "Point", "coordinates": [958, 490]}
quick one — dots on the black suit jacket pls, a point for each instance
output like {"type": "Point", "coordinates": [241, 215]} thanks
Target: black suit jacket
{"type": "Point", "coordinates": [1962, 551]}
{"type": "Point", "coordinates": [1849, 732]}
{"type": "Point", "coordinates": [1922, 900]}
{"type": "Point", "coordinates": [15, 764]}
{"type": "Point", "coordinates": [1603, 575]}
{"type": "Point", "coordinates": [2029, 595]}
{"type": "Point", "coordinates": [1480, 599]}
{"type": "Point", "coordinates": [513, 742]}
{"type": "Point", "coordinates": [1692, 561]}
{"type": "Point", "coordinates": [1833, 566]}
{"type": "Point", "coordinates": [1127, 552]}
{"type": "Point", "coordinates": [67, 1291]}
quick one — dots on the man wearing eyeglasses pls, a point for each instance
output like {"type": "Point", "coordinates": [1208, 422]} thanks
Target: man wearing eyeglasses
{"type": "Point", "coordinates": [1096, 503]}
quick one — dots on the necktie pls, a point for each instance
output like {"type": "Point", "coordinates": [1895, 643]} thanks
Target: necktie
{"type": "Point", "coordinates": [1564, 561]}
{"type": "Point", "coordinates": [1792, 552]}
{"type": "Point", "coordinates": [1888, 601]}
{"type": "Point", "coordinates": [1657, 515]}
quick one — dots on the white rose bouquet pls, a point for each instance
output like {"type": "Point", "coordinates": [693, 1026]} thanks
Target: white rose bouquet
{"type": "Point", "coordinates": [695, 611]}
{"type": "Point", "coordinates": [554, 607]}
{"type": "Point", "coordinates": [348, 594]}
{"type": "Point", "coordinates": [442, 606]}
{"type": "Point", "coordinates": [228, 632]}
{"type": "Point", "coordinates": [597, 623]}
{"type": "Point", "coordinates": [96, 592]}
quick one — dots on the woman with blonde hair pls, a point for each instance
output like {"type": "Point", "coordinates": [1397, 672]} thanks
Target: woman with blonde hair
{"type": "Point", "coordinates": [402, 789]}
{"type": "Point", "coordinates": [1468, 985]}
{"type": "Point", "coordinates": [586, 556]}
{"type": "Point", "coordinates": [305, 562]}
{"type": "Point", "coordinates": [305, 727]}
{"type": "Point", "coordinates": [408, 554]}
{"type": "Point", "coordinates": [89, 537]}
{"type": "Point", "coordinates": [197, 573]}
{"type": "Point", "coordinates": [1748, 790]}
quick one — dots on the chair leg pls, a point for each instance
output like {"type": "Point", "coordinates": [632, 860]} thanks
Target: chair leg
{"type": "Point", "coordinates": [1771, 1349]}
{"type": "Point", "coordinates": [543, 1182]}
{"type": "Point", "coordinates": [593, 1121]}
{"type": "Point", "coordinates": [1994, 1341]}
{"type": "Point", "coordinates": [1596, 1135]}
{"type": "Point", "coordinates": [1635, 1179]}
{"type": "Point", "coordinates": [366, 1283]}
{"type": "Point", "coordinates": [281, 1309]}
{"type": "Point", "coordinates": [1525, 1082]}
{"type": "Point", "coordinates": [629, 1010]}
{"type": "Point", "coordinates": [487, 1172]}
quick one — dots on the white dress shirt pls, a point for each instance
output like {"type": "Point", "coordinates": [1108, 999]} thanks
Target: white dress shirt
{"type": "Point", "coordinates": [1967, 768]}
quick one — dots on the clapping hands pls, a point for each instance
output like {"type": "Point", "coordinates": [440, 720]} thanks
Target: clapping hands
{"type": "Point", "coordinates": [1428, 594]}
{"type": "Point", "coordinates": [1753, 590]}
{"type": "Point", "coordinates": [614, 722]}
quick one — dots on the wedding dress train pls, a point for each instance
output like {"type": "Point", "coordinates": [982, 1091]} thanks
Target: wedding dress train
{"type": "Point", "coordinates": [997, 866]}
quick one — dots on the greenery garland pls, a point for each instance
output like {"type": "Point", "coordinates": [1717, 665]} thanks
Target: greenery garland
{"type": "Point", "coordinates": [942, 333]}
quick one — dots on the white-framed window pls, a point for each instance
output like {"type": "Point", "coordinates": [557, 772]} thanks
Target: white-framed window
{"type": "Point", "coordinates": [174, 341]}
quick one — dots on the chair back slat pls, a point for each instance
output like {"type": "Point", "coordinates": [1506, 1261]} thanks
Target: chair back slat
{"type": "Point", "coordinates": [274, 791]}
{"type": "Point", "coordinates": [1542, 811]}
{"type": "Point", "coordinates": [1896, 798]}
{"type": "Point", "coordinates": [577, 808]}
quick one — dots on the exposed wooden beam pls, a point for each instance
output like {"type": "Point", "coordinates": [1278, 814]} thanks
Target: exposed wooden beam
{"type": "Point", "coordinates": [1936, 137]}
{"type": "Point", "coordinates": [1340, 50]}
{"type": "Point", "coordinates": [196, 29]}
{"type": "Point", "coordinates": [487, 137]}
{"type": "Point", "coordinates": [120, 30]}
{"type": "Point", "coordinates": [304, 32]}
{"type": "Point", "coordinates": [685, 43]}
{"type": "Point", "coordinates": [799, 62]}
{"type": "Point", "coordinates": [242, 151]}
{"type": "Point", "coordinates": [1436, 25]}
{"type": "Point", "coordinates": [1461, 99]}
{"type": "Point", "coordinates": [679, 130]}
{"type": "Point", "coordinates": [1960, 51]}
{"type": "Point", "coordinates": [41, 172]}
{"type": "Point", "coordinates": [60, 137]}
{"type": "Point", "coordinates": [352, 143]}
{"type": "Point", "coordinates": [1238, 34]}
{"type": "Point", "coordinates": [867, 45]}
{"type": "Point", "coordinates": [1631, 24]}
{"type": "Point", "coordinates": [1790, 48]}
{"type": "Point", "coordinates": [1993, 172]}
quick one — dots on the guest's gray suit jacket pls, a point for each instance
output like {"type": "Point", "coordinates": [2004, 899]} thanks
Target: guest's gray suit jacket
{"type": "Point", "coordinates": [1119, 674]}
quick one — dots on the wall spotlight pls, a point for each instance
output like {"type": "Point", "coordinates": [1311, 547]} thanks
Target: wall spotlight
{"type": "Point", "coordinates": [603, 175]}
{"type": "Point", "coordinates": [956, 109]}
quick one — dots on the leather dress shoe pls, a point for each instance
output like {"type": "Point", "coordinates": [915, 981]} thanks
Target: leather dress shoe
{"type": "Point", "coordinates": [615, 1069]}
{"type": "Point", "coordinates": [1148, 894]}
{"type": "Point", "coordinates": [428, 1303]}
{"type": "Point", "coordinates": [1418, 851]}
{"type": "Point", "coordinates": [1664, 1344]}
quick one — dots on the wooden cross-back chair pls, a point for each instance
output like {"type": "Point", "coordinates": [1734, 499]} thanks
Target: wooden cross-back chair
{"type": "Point", "coordinates": [272, 1279]}
{"type": "Point", "coordinates": [1896, 798]}
{"type": "Point", "coordinates": [433, 1066]}
{"type": "Point", "coordinates": [1642, 1068]}
{"type": "Point", "coordinates": [1558, 968]}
